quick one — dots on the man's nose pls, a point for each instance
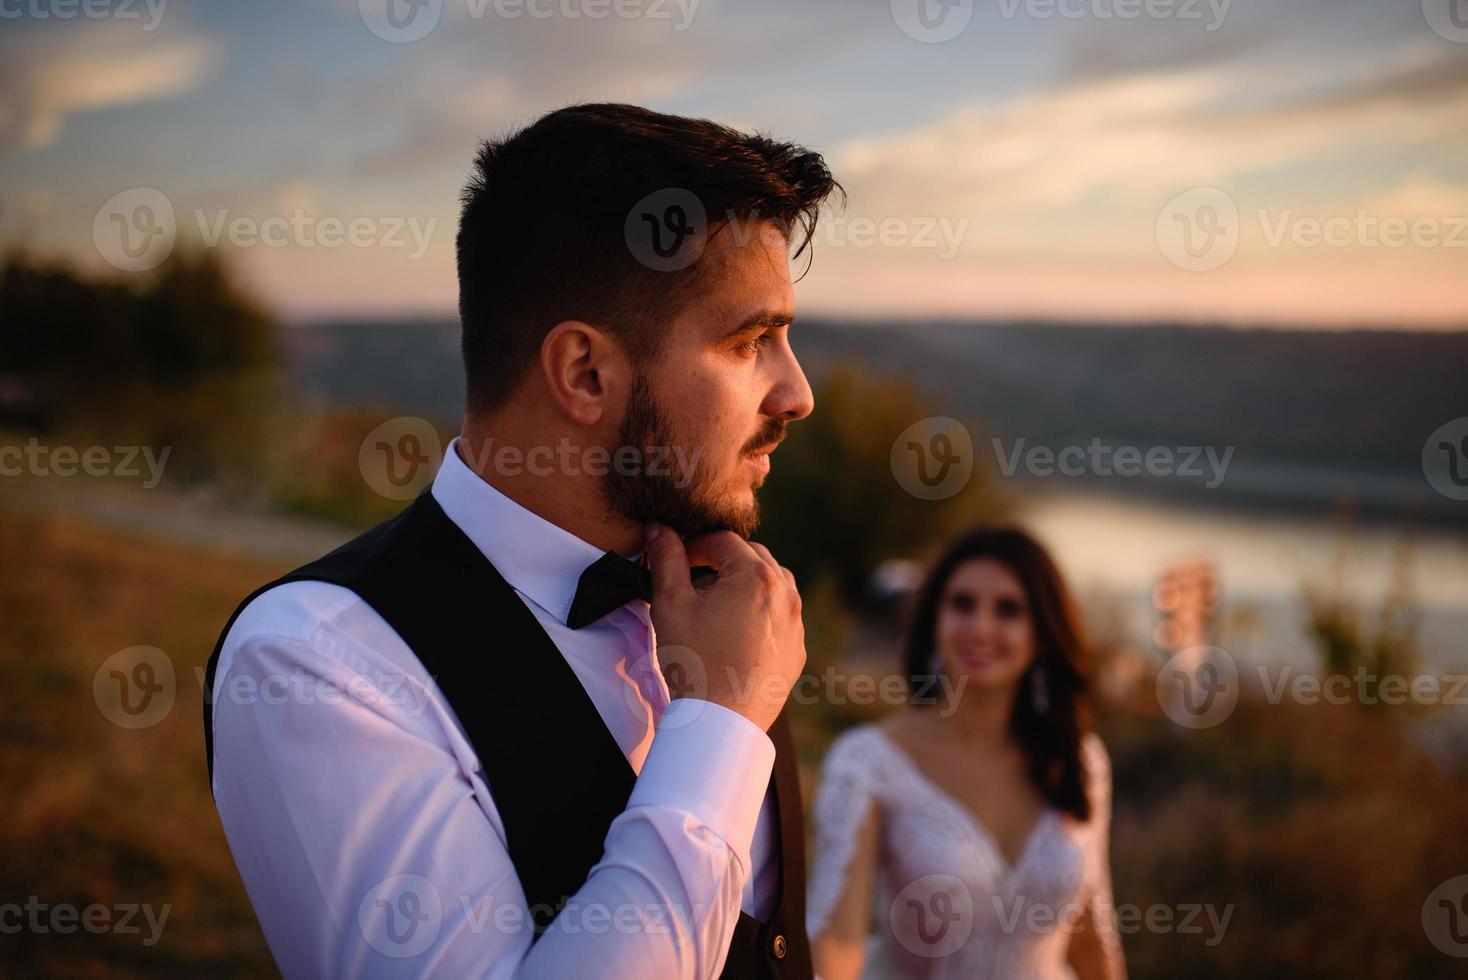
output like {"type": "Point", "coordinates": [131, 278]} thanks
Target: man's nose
{"type": "Point", "coordinates": [791, 398]}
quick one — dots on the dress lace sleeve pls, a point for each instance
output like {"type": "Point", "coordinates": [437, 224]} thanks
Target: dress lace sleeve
{"type": "Point", "coordinates": [844, 799]}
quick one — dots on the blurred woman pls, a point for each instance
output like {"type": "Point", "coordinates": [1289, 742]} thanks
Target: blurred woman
{"type": "Point", "coordinates": [974, 822]}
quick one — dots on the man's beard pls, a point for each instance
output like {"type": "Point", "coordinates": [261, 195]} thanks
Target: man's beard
{"type": "Point", "coordinates": [683, 499]}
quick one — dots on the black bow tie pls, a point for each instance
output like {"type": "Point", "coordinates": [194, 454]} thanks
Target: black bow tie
{"type": "Point", "coordinates": [608, 583]}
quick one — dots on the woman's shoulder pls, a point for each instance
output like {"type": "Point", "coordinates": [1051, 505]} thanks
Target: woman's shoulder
{"type": "Point", "coordinates": [858, 740]}
{"type": "Point", "coordinates": [865, 750]}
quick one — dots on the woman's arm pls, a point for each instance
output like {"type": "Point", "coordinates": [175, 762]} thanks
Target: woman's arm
{"type": "Point", "coordinates": [839, 948]}
{"type": "Point", "coordinates": [1095, 947]}
{"type": "Point", "coordinates": [846, 816]}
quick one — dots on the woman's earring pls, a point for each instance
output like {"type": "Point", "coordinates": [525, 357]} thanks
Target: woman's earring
{"type": "Point", "coordinates": [1039, 689]}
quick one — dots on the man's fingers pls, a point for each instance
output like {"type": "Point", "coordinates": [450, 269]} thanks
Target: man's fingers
{"type": "Point", "coordinates": [667, 561]}
{"type": "Point", "coordinates": [769, 559]}
{"type": "Point", "coordinates": [718, 549]}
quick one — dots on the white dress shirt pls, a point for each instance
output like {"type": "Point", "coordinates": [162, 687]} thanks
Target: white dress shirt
{"type": "Point", "coordinates": [367, 838]}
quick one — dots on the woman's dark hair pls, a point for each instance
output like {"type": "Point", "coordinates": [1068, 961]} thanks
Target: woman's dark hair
{"type": "Point", "coordinates": [545, 233]}
{"type": "Point", "coordinates": [1050, 740]}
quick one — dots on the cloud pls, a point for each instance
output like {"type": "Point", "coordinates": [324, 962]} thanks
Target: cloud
{"type": "Point", "coordinates": [1136, 139]}
{"type": "Point", "coordinates": [1419, 196]}
{"type": "Point", "coordinates": [49, 75]}
{"type": "Point", "coordinates": [1093, 58]}
{"type": "Point", "coordinates": [479, 82]}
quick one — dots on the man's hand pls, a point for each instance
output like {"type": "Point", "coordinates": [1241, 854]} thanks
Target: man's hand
{"type": "Point", "coordinates": [743, 631]}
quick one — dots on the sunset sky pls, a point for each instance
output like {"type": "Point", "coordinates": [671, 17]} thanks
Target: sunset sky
{"type": "Point", "coordinates": [1260, 162]}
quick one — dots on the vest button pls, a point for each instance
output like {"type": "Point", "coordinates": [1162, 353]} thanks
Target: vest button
{"type": "Point", "coordinates": [779, 946]}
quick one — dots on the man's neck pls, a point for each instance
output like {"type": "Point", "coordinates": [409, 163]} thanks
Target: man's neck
{"type": "Point", "coordinates": [565, 495]}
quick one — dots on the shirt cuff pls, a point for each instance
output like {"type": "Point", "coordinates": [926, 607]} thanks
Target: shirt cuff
{"type": "Point", "coordinates": [712, 762]}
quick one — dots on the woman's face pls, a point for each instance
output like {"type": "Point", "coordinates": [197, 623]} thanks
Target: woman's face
{"type": "Point", "coordinates": [985, 630]}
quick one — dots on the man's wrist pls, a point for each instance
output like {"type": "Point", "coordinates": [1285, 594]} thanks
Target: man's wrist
{"type": "Point", "coordinates": [712, 762]}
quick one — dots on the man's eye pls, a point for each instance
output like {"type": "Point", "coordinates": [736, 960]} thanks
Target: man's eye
{"type": "Point", "coordinates": [756, 345]}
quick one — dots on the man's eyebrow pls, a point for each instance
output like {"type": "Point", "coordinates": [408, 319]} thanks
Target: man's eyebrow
{"type": "Point", "coordinates": [763, 320]}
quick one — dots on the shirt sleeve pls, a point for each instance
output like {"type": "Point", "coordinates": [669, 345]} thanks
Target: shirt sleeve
{"type": "Point", "coordinates": [370, 847]}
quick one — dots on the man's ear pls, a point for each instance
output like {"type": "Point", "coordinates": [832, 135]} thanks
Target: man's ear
{"type": "Point", "coordinates": [586, 371]}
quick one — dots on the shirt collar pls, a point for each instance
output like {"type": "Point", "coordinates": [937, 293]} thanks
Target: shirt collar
{"type": "Point", "coordinates": [542, 560]}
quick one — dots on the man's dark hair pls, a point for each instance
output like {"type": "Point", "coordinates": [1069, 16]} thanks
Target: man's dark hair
{"type": "Point", "coordinates": [543, 231]}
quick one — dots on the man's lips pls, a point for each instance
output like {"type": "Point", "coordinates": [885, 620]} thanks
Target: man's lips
{"type": "Point", "coordinates": [760, 459]}
{"type": "Point", "coordinates": [766, 450]}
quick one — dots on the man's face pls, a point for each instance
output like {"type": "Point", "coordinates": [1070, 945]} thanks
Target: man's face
{"type": "Point", "coordinates": [721, 393]}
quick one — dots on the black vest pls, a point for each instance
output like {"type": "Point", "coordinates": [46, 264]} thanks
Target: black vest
{"type": "Point", "coordinates": [418, 566]}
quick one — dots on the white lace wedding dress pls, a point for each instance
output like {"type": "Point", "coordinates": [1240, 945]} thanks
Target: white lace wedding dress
{"type": "Point", "coordinates": [946, 902]}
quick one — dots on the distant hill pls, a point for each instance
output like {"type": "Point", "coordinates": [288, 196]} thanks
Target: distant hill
{"type": "Point", "coordinates": [1313, 416]}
